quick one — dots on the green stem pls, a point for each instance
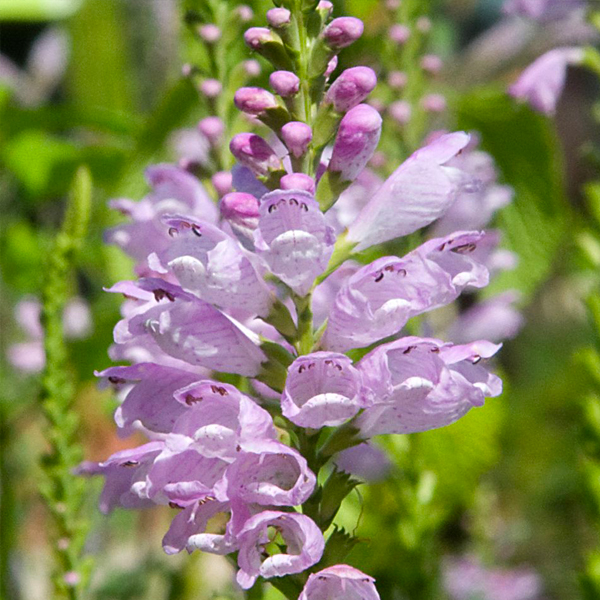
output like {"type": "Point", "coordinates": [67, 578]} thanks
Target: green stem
{"type": "Point", "coordinates": [341, 253]}
{"type": "Point", "coordinates": [305, 340]}
{"type": "Point", "coordinates": [63, 491]}
{"type": "Point", "coordinates": [409, 13]}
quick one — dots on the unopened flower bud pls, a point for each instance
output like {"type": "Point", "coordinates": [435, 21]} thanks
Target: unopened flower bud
{"type": "Point", "coordinates": [434, 103]}
{"type": "Point", "coordinates": [268, 44]}
{"type": "Point", "coordinates": [222, 182]}
{"type": "Point", "coordinates": [297, 136]}
{"type": "Point", "coordinates": [397, 79]}
{"type": "Point", "coordinates": [187, 70]}
{"type": "Point", "coordinates": [325, 5]}
{"type": "Point", "coordinates": [256, 37]}
{"type": "Point", "coordinates": [424, 24]}
{"type": "Point", "coordinates": [400, 111]}
{"type": "Point", "coordinates": [356, 141]}
{"type": "Point", "coordinates": [252, 68]}
{"type": "Point", "coordinates": [212, 129]}
{"type": "Point", "coordinates": [71, 578]}
{"type": "Point", "coordinates": [298, 181]}
{"type": "Point", "coordinates": [253, 152]}
{"type": "Point", "coordinates": [342, 32]}
{"type": "Point", "coordinates": [399, 34]}
{"type": "Point", "coordinates": [284, 83]}
{"type": "Point", "coordinates": [278, 17]}
{"type": "Point", "coordinates": [325, 8]}
{"type": "Point", "coordinates": [351, 88]}
{"type": "Point", "coordinates": [211, 88]}
{"type": "Point", "coordinates": [209, 33]}
{"type": "Point", "coordinates": [254, 100]}
{"type": "Point", "coordinates": [245, 13]}
{"type": "Point", "coordinates": [432, 63]}
{"type": "Point", "coordinates": [240, 209]}
{"type": "Point", "coordinates": [331, 67]}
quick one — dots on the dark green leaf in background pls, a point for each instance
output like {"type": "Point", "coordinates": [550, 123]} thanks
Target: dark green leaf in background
{"type": "Point", "coordinates": [527, 152]}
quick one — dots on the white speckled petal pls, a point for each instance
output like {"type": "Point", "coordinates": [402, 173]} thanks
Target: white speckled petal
{"type": "Point", "coordinates": [194, 331]}
{"type": "Point", "coordinates": [322, 389]}
{"type": "Point", "coordinates": [293, 238]}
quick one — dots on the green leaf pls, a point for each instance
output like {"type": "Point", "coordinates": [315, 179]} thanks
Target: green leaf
{"type": "Point", "coordinates": [339, 544]}
{"type": "Point", "coordinates": [38, 160]}
{"type": "Point", "coordinates": [461, 453]}
{"type": "Point", "coordinates": [45, 164]}
{"type": "Point", "coordinates": [526, 149]}
{"type": "Point", "coordinates": [100, 71]}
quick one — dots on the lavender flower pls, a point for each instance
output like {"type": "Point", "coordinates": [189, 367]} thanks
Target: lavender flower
{"type": "Point", "coordinates": [212, 129]}
{"type": "Point", "coordinates": [378, 299]}
{"type": "Point", "coordinates": [399, 33]}
{"type": "Point", "coordinates": [293, 238]}
{"type": "Point", "coordinates": [253, 152]}
{"type": "Point", "coordinates": [278, 17]}
{"type": "Point", "coordinates": [342, 32]}
{"type": "Point", "coordinates": [541, 84]}
{"type": "Point", "coordinates": [173, 191]}
{"type": "Point", "coordinates": [421, 384]}
{"type": "Point", "coordinates": [241, 211]}
{"type": "Point", "coordinates": [28, 356]}
{"type": "Point", "coordinates": [303, 539]}
{"type": "Point", "coordinates": [337, 582]}
{"type": "Point", "coordinates": [268, 473]}
{"type": "Point", "coordinates": [298, 181]}
{"type": "Point", "coordinates": [322, 389]}
{"type": "Point", "coordinates": [122, 472]}
{"type": "Point", "coordinates": [543, 10]}
{"type": "Point", "coordinates": [284, 83]}
{"type": "Point", "coordinates": [254, 100]}
{"type": "Point", "coordinates": [466, 578]}
{"type": "Point", "coordinates": [416, 194]}
{"type": "Point", "coordinates": [297, 136]}
{"type": "Point", "coordinates": [178, 325]}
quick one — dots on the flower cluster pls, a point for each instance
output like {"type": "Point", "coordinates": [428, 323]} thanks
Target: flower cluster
{"type": "Point", "coordinates": [244, 325]}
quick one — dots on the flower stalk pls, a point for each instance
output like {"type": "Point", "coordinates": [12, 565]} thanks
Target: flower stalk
{"type": "Point", "coordinates": [63, 492]}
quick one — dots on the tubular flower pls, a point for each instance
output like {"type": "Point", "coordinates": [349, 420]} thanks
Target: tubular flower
{"type": "Point", "coordinates": [303, 539]}
{"type": "Point", "coordinates": [322, 389]}
{"type": "Point", "coordinates": [339, 582]}
{"type": "Point", "coordinates": [421, 384]}
{"type": "Point", "coordinates": [417, 193]}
